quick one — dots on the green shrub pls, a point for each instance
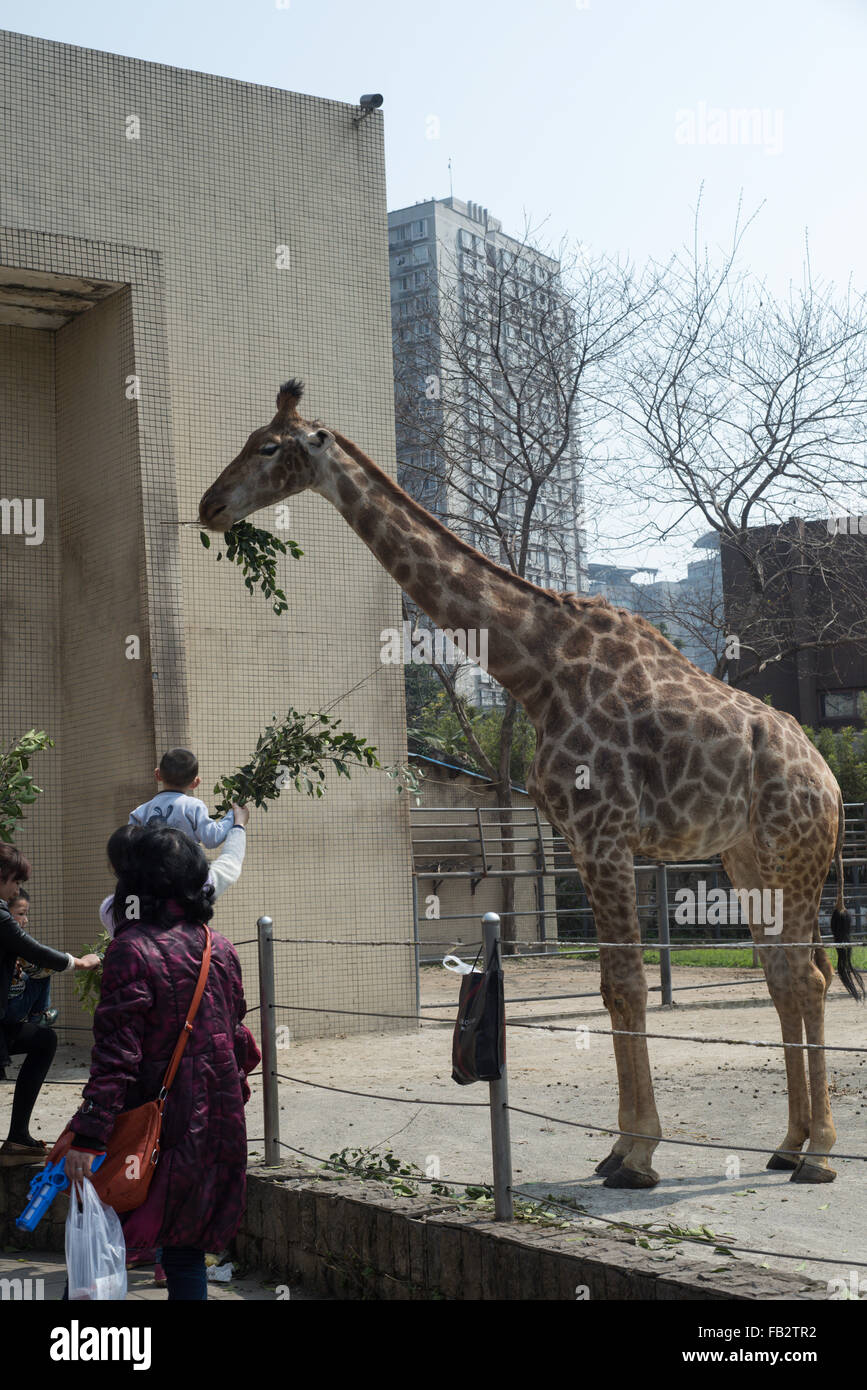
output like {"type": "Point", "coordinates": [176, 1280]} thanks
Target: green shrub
{"type": "Point", "coordinates": [17, 789]}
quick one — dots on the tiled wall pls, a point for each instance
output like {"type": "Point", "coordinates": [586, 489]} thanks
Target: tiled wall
{"type": "Point", "coordinates": [190, 216]}
{"type": "Point", "coordinates": [107, 715]}
{"type": "Point", "coordinates": [30, 619]}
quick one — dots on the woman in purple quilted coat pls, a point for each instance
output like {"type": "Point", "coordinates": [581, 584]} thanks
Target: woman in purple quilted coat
{"type": "Point", "coordinates": [196, 1198]}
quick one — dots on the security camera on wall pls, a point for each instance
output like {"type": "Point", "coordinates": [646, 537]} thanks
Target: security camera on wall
{"type": "Point", "coordinates": [371, 101]}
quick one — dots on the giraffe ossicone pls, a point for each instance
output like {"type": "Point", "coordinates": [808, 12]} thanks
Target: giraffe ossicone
{"type": "Point", "coordinates": [677, 766]}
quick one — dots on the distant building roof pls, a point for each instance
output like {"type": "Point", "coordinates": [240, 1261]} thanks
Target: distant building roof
{"type": "Point", "coordinates": [455, 767]}
{"type": "Point", "coordinates": [614, 574]}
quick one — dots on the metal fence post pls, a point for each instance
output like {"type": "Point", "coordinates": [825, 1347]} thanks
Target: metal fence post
{"type": "Point", "coordinates": [663, 932]}
{"type": "Point", "coordinates": [501, 1146]}
{"type": "Point", "coordinates": [270, 1084]}
{"type": "Point", "coordinates": [416, 932]}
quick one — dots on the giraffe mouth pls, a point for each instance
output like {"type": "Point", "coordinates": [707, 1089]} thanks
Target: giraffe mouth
{"type": "Point", "coordinates": [217, 524]}
{"type": "Point", "coordinates": [214, 516]}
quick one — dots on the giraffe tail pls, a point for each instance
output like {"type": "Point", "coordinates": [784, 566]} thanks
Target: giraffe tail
{"type": "Point", "coordinates": [841, 920]}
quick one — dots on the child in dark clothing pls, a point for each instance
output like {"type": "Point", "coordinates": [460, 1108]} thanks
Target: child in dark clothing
{"type": "Point", "coordinates": [30, 988]}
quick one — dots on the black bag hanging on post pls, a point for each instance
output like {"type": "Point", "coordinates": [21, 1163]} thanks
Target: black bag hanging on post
{"type": "Point", "coordinates": [479, 1042]}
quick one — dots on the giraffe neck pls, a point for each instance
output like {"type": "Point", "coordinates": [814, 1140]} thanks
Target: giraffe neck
{"type": "Point", "coordinates": [457, 586]}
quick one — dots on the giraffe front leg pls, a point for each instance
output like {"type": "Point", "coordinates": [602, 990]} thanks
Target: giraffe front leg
{"type": "Point", "coordinates": [624, 993]}
{"type": "Point", "coordinates": [623, 1063]}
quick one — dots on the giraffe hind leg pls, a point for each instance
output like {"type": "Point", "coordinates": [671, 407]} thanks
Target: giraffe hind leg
{"type": "Point", "coordinates": [797, 982]}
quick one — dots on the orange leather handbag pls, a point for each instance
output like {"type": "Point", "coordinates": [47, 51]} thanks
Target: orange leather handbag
{"type": "Point", "coordinates": [123, 1179]}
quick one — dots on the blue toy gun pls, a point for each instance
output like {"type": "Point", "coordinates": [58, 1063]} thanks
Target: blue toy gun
{"type": "Point", "coordinates": [44, 1187]}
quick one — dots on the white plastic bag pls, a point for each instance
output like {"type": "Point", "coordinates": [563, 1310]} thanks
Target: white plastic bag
{"type": "Point", "coordinates": [460, 967]}
{"type": "Point", "coordinates": [95, 1247]}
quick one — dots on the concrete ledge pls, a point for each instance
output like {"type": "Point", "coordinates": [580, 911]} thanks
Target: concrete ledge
{"type": "Point", "coordinates": [349, 1238]}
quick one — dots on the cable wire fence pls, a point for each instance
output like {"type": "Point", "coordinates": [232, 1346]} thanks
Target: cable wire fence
{"type": "Point", "coordinates": [498, 1105]}
{"type": "Point", "coordinates": [504, 1191]}
{"type": "Point", "coordinates": [570, 940]}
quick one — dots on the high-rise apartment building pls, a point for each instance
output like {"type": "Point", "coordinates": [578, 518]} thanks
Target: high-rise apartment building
{"type": "Point", "coordinates": [481, 335]}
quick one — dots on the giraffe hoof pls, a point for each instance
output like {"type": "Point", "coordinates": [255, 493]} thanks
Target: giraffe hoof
{"type": "Point", "coordinates": [609, 1164]}
{"type": "Point", "coordinates": [631, 1177]}
{"type": "Point", "coordinates": [811, 1172]}
{"type": "Point", "coordinates": [777, 1163]}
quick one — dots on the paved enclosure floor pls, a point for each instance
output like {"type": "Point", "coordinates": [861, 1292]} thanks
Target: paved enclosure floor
{"type": "Point", "coordinates": [711, 1092]}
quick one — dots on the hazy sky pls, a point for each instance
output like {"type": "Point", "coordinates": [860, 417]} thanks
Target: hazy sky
{"type": "Point", "coordinates": [599, 118]}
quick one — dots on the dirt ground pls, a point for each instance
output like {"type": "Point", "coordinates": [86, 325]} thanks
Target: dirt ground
{"type": "Point", "coordinates": [713, 1092]}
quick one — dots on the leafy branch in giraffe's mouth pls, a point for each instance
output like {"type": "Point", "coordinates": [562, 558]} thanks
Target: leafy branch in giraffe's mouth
{"type": "Point", "coordinates": [255, 551]}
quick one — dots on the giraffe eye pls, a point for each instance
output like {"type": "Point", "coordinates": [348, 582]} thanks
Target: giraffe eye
{"type": "Point", "coordinates": [269, 448]}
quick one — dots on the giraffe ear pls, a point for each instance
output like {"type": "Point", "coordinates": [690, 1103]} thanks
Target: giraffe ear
{"type": "Point", "coordinates": [288, 397]}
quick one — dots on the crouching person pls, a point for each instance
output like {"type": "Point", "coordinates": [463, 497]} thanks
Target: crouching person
{"type": "Point", "coordinates": [21, 1035]}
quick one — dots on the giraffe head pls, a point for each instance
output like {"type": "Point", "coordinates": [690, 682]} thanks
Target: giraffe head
{"type": "Point", "coordinates": [277, 460]}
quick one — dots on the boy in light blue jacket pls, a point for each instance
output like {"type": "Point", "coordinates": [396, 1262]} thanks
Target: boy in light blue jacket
{"type": "Point", "coordinates": [173, 806]}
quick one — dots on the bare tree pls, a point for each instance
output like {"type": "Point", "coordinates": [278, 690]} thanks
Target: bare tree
{"type": "Point", "coordinates": [750, 416]}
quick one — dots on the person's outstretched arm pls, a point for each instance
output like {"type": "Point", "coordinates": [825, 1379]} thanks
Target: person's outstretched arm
{"type": "Point", "coordinates": [224, 871]}
{"type": "Point", "coordinates": [13, 938]}
{"type": "Point", "coordinates": [227, 868]}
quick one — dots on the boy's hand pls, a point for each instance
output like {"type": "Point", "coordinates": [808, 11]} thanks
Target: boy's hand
{"type": "Point", "coordinates": [242, 814]}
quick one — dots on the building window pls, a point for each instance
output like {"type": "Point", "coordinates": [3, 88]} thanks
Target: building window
{"type": "Point", "coordinates": [840, 704]}
{"type": "Point", "coordinates": [419, 229]}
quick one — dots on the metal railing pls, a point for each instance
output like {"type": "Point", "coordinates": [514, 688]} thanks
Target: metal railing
{"type": "Point", "coordinates": [491, 835]}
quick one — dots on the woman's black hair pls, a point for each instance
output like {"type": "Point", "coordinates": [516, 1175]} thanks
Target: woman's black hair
{"type": "Point", "coordinates": [155, 866]}
{"type": "Point", "coordinates": [118, 848]}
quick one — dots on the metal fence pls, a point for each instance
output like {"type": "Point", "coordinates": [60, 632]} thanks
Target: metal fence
{"type": "Point", "coordinates": [478, 838]}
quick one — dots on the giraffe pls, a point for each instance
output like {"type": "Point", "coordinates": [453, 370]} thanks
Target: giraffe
{"type": "Point", "coordinates": [675, 765]}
